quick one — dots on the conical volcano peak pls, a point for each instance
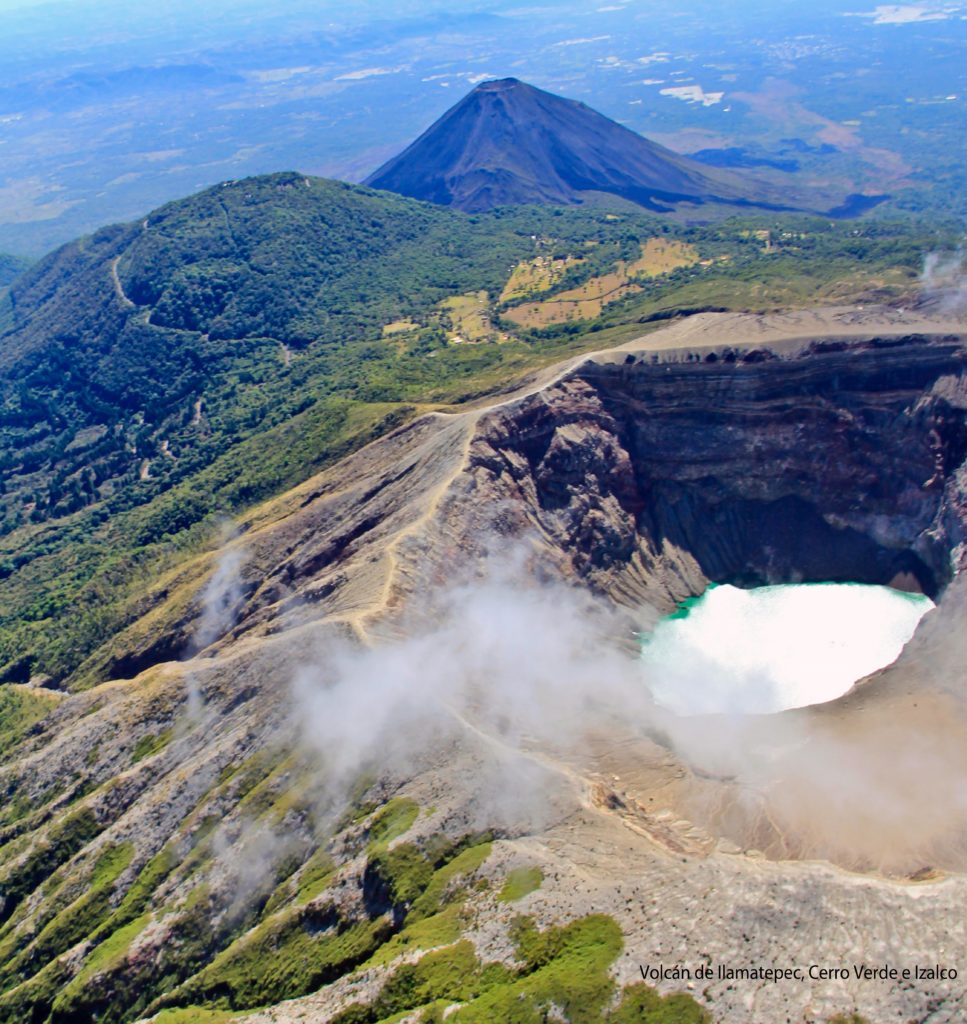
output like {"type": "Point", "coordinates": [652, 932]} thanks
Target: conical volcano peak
{"type": "Point", "coordinates": [514, 91]}
{"type": "Point", "coordinates": [501, 85]}
{"type": "Point", "coordinates": [507, 142]}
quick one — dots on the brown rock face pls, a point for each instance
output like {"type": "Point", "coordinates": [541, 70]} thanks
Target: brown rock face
{"type": "Point", "coordinates": [655, 477]}
{"type": "Point", "coordinates": [743, 451]}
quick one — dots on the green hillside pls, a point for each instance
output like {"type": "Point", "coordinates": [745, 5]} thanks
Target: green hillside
{"type": "Point", "coordinates": [158, 376]}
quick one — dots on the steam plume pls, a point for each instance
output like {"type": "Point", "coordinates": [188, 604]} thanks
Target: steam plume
{"type": "Point", "coordinates": [220, 603]}
{"type": "Point", "coordinates": [944, 281]}
{"type": "Point", "coordinates": [538, 673]}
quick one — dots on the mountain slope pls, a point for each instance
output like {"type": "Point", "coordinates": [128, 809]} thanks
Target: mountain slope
{"type": "Point", "coordinates": [293, 817]}
{"type": "Point", "coordinates": [508, 143]}
{"type": "Point", "coordinates": [160, 376]}
{"type": "Point", "coordinates": [10, 267]}
{"type": "Point", "coordinates": [233, 336]}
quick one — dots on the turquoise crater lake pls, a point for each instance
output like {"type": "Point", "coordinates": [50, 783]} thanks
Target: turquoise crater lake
{"type": "Point", "coordinates": [772, 648]}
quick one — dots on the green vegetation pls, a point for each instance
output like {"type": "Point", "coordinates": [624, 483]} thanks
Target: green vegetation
{"type": "Point", "coordinates": [139, 895]}
{"type": "Point", "coordinates": [156, 379]}
{"type": "Point", "coordinates": [443, 886]}
{"type": "Point", "coordinates": [81, 917]}
{"type": "Point", "coordinates": [199, 960]}
{"type": "Point", "coordinates": [21, 709]}
{"type": "Point", "coordinates": [150, 744]}
{"type": "Point", "coordinates": [80, 994]}
{"type": "Point", "coordinates": [392, 821]}
{"type": "Point", "coordinates": [564, 970]}
{"type": "Point", "coordinates": [112, 985]}
{"type": "Point", "coordinates": [297, 949]}
{"type": "Point", "coordinates": [33, 1000]}
{"type": "Point", "coordinates": [239, 350]}
{"type": "Point", "coordinates": [61, 842]}
{"type": "Point", "coordinates": [314, 878]}
{"type": "Point", "coordinates": [306, 942]}
{"type": "Point", "coordinates": [194, 1016]}
{"type": "Point", "coordinates": [78, 908]}
{"type": "Point", "coordinates": [441, 929]}
{"type": "Point", "coordinates": [404, 872]}
{"type": "Point", "coordinates": [292, 953]}
{"type": "Point", "coordinates": [437, 916]}
{"type": "Point", "coordinates": [520, 882]}
{"type": "Point", "coordinates": [641, 1003]}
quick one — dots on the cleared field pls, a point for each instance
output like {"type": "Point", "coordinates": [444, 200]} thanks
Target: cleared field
{"type": "Point", "coordinates": [466, 319]}
{"type": "Point", "coordinates": [661, 256]}
{"type": "Point", "coordinates": [534, 276]}
{"type": "Point", "coordinates": [658, 256]}
{"type": "Point", "coordinates": [399, 327]}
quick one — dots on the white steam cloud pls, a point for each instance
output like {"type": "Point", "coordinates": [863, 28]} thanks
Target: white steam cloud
{"type": "Point", "coordinates": [542, 678]}
{"type": "Point", "coordinates": [515, 664]}
{"type": "Point", "coordinates": [944, 280]}
{"type": "Point", "coordinates": [220, 601]}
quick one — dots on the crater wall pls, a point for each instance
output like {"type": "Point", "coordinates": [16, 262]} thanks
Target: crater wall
{"type": "Point", "coordinates": [654, 476]}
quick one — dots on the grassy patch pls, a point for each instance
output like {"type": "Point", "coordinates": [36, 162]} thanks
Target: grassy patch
{"type": "Point", "coordinates": [564, 969]}
{"type": "Point", "coordinates": [149, 744]}
{"type": "Point", "coordinates": [641, 1003]}
{"type": "Point", "coordinates": [291, 954]}
{"type": "Point", "coordinates": [80, 918]}
{"type": "Point", "coordinates": [308, 944]}
{"type": "Point", "coordinates": [195, 1015]}
{"type": "Point", "coordinates": [565, 976]}
{"type": "Point", "coordinates": [440, 888]}
{"type": "Point", "coordinates": [440, 929]}
{"type": "Point", "coordinates": [62, 841]}
{"type": "Point", "coordinates": [116, 985]}
{"type": "Point", "coordinates": [404, 872]}
{"type": "Point", "coordinates": [315, 876]}
{"type": "Point", "coordinates": [139, 895]}
{"type": "Point", "coordinates": [392, 821]}
{"type": "Point", "coordinates": [33, 1000]}
{"type": "Point", "coordinates": [21, 708]}
{"type": "Point", "coordinates": [437, 916]}
{"type": "Point", "coordinates": [519, 883]}
{"type": "Point", "coordinates": [110, 952]}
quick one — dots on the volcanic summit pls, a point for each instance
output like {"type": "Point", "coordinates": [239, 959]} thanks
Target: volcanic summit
{"type": "Point", "coordinates": [509, 143]}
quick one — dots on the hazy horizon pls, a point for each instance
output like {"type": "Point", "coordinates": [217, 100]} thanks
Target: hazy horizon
{"type": "Point", "coordinates": [109, 110]}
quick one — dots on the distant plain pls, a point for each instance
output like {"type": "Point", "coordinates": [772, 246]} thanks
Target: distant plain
{"type": "Point", "coordinates": [109, 109]}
